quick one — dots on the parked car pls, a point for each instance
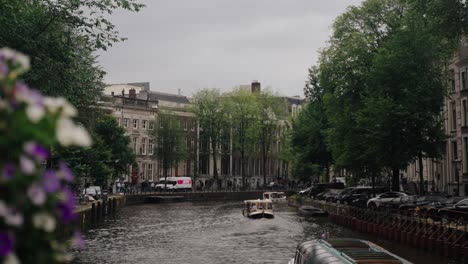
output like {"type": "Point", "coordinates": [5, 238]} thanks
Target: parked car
{"type": "Point", "coordinates": [457, 211]}
{"type": "Point", "coordinates": [432, 210]}
{"type": "Point", "coordinates": [328, 195]}
{"type": "Point", "coordinates": [376, 202]}
{"type": "Point", "coordinates": [410, 207]}
{"type": "Point", "coordinates": [305, 191]}
{"type": "Point", "coordinates": [91, 191]}
{"type": "Point", "coordinates": [394, 204]}
{"type": "Point", "coordinates": [356, 193]}
{"type": "Point", "coordinates": [321, 187]}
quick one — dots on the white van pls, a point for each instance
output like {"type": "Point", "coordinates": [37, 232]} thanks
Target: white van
{"type": "Point", "coordinates": [175, 184]}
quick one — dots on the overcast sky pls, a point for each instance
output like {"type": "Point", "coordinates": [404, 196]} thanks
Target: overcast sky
{"type": "Point", "coordinates": [195, 44]}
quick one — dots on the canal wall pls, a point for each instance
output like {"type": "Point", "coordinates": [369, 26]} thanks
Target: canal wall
{"type": "Point", "coordinates": [96, 211]}
{"type": "Point", "coordinates": [448, 239]}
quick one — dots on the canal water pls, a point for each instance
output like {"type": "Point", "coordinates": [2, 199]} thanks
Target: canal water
{"type": "Point", "coordinates": [212, 233]}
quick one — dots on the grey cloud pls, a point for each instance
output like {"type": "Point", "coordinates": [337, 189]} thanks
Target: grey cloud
{"type": "Point", "coordinates": [194, 44]}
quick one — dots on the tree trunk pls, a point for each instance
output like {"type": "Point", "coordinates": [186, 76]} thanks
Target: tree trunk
{"type": "Point", "coordinates": [215, 164]}
{"type": "Point", "coordinates": [264, 158]}
{"type": "Point", "coordinates": [421, 174]}
{"type": "Point", "coordinates": [373, 183]}
{"type": "Point", "coordinates": [242, 169]}
{"type": "Point", "coordinates": [395, 180]}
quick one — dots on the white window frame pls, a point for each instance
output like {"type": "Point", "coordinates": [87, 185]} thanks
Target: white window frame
{"type": "Point", "coordinates": [144, 124]}
{"type": "Point", "coordinates": [150, 146]}
{"type": "Point", "coordinates": [135, 145]}
{"type": "Point", "coordinates": [143, 146]}
{"type": "Point", "coordinates": [453, 116]}
{"type": "Point", "coordinates": [135, 123]}
{"type": "Point", "coordinates": [463, 79]}
{"type": "Point", "coordinates": [150, 171]}
{"type": "Point", "coordinates": [126, 122]}
{"type": "Point", "coordinates": [464, 110]}
{"type": "Point", "coordinates": [151, 125]}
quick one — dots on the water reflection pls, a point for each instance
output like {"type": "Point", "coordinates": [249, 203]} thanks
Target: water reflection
{"type": "Point", "coordinates": [211, 232]}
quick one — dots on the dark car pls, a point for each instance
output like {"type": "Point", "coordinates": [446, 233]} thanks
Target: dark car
{"type": "Point", "coordinates": [328, 195]}
{"type": "Point", "coordinates": [394, 204]}
{"type": "Point", "coordinates": [457, 211]}
{"type": "Point", "coordinates": [410, 207]}
{"type": "Point", "coordinates": [432, 210]}
{"type": "Point", "coordinates": [357, 192]}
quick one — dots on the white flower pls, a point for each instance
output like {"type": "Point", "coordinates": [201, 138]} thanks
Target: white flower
{"type": "Point", "coordinates": [36, 194]}
{"type": "Point", "coordinates": [14, 218]}
{"type": "Point", "coordinates": [16, 57]}
{"type": "Point", "coordinates": [11, 259]}
{"type": "Point", "coordinates": [35, 113]}
{"type": "Point", "coordinates": [44, 221]}
{"type": "Point", "coordinates": [27, 165]}
{"type": "Point", "coordinates": [69, 134]}
{"type": "Point", "coordinates": [54, 104]}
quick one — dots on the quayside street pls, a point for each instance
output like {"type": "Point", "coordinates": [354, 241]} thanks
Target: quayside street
{"type": "Point", "coordinates": [212, 233]}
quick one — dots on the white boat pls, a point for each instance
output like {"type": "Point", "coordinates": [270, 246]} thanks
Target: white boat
{"type": "Point", "coordinates": [258, 208]}
{"type": "Point", "coordinates": [274, 196]}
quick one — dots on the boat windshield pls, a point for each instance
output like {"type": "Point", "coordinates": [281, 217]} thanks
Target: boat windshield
{"type": "Point", "coordinates": [277, 195]}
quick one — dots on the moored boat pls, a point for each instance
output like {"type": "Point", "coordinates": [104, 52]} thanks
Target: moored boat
{"type": "Point", "coordinates": [343, 251]}
{"type": "Point", "coordinates": [258, 208]}
{"type": "Point", "coordinates": [274, 196]}
{"type": "Point", "coordinates": [312, 211]}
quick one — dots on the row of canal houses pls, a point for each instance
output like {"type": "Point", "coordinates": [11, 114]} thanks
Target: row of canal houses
{"type": "Point", "coordinates": [135, 106]}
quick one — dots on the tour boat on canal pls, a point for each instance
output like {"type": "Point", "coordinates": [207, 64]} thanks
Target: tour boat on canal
{"type": "Point", "coordinates": [343, 251]}
{"type": "Point", "coordinates": [258, 209]}
{"type": "Point", "coordinates": [274, 196]}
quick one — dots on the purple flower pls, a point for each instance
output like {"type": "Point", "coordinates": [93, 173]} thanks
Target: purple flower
{"type": "Point", "coordinates": [36, 194]}
{"type": "Point", "coordinates": [8, 171]}
{"type": "Point", "coordinates": [50, 181]}
{"type": "Point", "coordinates": [77, 240]}
{"type": "Point", "coordinates": [37, 151]}
{"type": "Point", "coordinates": [67, 206]}
{"type": "Point", "coordinates": [65, 171]}
{"type": "Point", "coordinates": [3, 69]}
{"type": "Point", "coordinates": [6, 243]}
{"type": "Point", "coordinates": [27, 165]}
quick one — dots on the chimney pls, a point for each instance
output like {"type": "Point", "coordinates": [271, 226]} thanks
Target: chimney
{"type": "Point", "coordinates": [255, 87]}
{"type": "Point", "coordinates": [132, 93]}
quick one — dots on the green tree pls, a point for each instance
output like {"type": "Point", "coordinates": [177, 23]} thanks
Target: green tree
{"type": "Point", "coordinates": [61, 37]}
{"type": "Point", "coordinates": [244, 112]}
{"type": "Point", "coordinates": [210, 111]}
{"type": "Point", "coordinates": [92, 165]}
{"type": "Point", "coordinates": [113, 136]}
{"type": "Point", "coordinates": [169, 137]}
{"type": "Point", "coordinates": [272, 109]}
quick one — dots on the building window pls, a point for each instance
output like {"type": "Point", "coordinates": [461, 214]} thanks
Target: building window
{"type": "Point", "coordinates": [126, 122]}
{"type": "Point", "coordinates": [465, 155]}
{"type": "Point", "coordinates": [193, 125]}
{"type": "Point", "coordinates": [143, 172]}
{"type": "Point", "coordinates": [452, 80]}
{"type": "Point", "coordinates": [150, 147]}
{"type": "Point", "coordinates": [144, 124]}
{"type": "Point", "coordinates": [186, 142]}
{"type": "Point", "coordinates": [463, 80]}
{"type": "Point", "coordinates": [185, 124]}
{"type": "Point", "coordinates": [454, 116]}
{"type": "Point", "coordinates": [454, 150]}
{"type": "Point", "coordinates": [135, 123]}
{"type": "Point", "coordinates": [150, 171]}
{"type": "Point", "coordinates": [151, 125]}
{"type": "Point", "coordinates": [143, 146]}
{"type": "Point", "coordinates": [135, 145]}
{"type": "Point", "coordinates": [464, 113]}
